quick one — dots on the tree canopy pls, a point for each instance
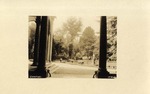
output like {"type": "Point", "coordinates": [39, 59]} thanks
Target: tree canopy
{"type": "Point", "coordinates": [87, 40]}
{"type": "Point", "coordinates": [73, 26]}
{"type": "Point", "coordinates": [112, 38]}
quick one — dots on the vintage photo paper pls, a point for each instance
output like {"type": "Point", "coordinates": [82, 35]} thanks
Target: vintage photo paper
{"type": "Point", "coordinates": [124, 66]}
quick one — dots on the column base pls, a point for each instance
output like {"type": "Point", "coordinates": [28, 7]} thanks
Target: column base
{"type": "Point", "coordinates": [37, 73]}
{"type": "Point", "coordinates": [103, 74]}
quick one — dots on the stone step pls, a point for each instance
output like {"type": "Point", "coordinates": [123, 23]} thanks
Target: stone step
{"type": "Point", "coordinates": [52, 67]}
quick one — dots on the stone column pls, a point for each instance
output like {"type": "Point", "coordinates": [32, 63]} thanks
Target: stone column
{"type": "Point", "coordinates": [42, 48]}
{"type": "Point", "coordinates": [36, 44]}
{"type": "Point", "coordinates": [48, 40]}
{"type": "Point", "coordinates": [102, 71]}
{"type": "Point", "coordinates": [51, 36]}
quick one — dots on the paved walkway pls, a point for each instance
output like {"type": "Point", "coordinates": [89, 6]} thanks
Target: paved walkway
{"type": "Point", "coordinates": [73, 71]}
{"type": "Point", "coordinates": [70, 70]}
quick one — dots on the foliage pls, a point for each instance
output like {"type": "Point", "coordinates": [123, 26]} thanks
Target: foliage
{"type": "Point", "coordinates": [73, 26]}
{"type": "Point", "coordinates": [111, 38]}
{"type": "Point", "coordinates": [87, 40]}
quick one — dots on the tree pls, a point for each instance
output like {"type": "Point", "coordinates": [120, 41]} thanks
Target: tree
{"type": "Point", "coordinates": [87, 40]}
{"type": "Point", "coordinates": [62, 39]}
{"type": "Point", "coordinates": [96, 47]}
{"type": "Point", "coordinates": [72, 26]}
{"type": "Point", "coordinates": [58, 35]}
{"type": "Point", "coordinates": [112, 38]}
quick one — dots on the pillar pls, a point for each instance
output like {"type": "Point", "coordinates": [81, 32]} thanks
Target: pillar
{"type": "Point", "coordinates": [48, 40]}
{"type": "Point", "coordinates": [42, 48]}
{"type": "Point", "coordinates": [51, 38]}
{"type": "Point", "coordinates": [102, 71]}
{"type": "Point", "coordinates": [36, 44]}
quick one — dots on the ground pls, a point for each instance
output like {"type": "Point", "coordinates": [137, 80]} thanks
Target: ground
{"type": "Point", "coordinates": [75, 70]}
{"type": "Point", "coordinates": [71, 70]}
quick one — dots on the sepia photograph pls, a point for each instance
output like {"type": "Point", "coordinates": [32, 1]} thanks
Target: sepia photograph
{"type": "Point", "coordinates": [72, 47]}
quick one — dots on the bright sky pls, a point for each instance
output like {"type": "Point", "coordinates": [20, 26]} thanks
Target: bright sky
{"type": "Point", "coordinates": [86, 21]}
